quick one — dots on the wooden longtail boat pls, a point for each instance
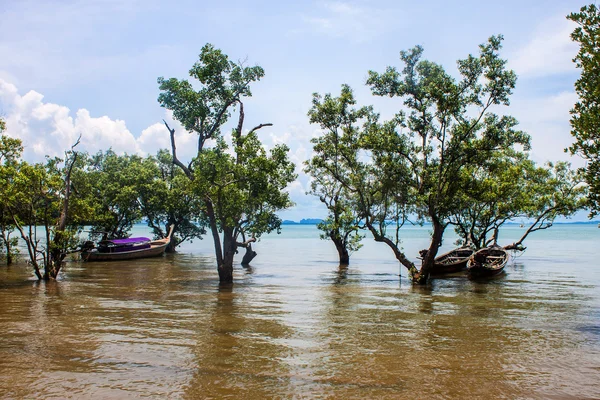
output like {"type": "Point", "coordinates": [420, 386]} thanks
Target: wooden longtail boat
{"type": "Point", "coordinates": [452, 261]}
{"type": "Point", "coordinates": [488, 261]}
{"type": "Point", "coordinates": [127, 249]}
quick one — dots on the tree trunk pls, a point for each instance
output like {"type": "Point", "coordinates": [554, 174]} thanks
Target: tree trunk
{"type": "Point", "coordinates": [31, 247]}
{"type": "Point", "coordinates": [342, 251]}
{"type": "Point", "coordinates": [170, 247]}
{"type": "Point", "coordinates": [9, 256]}
{"type": "Point", "coordinates": [226, 272]}
{"type": "Point", "coordinates": [249, 255]}
{"type": "Point", "coordinates": [225, 268]}
{"type": "Point", "coordinates": [53, 261]}
{"type": "Point", "coordinates": [247, 244]}
{"type": "Point", "coordinates": [212, 221]}
{"type": "Point", "coordinates": [429, 258]}
{"type": "Point", "coordinates": [412, 270]}
{"type": "Point", "coordinates": [172, 243]}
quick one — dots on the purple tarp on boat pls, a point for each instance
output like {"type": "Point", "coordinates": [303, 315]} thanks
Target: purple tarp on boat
{"type": "Point", "coordinates": [121, 249]}
{"type": "Point", "coordinates": [127, 241]}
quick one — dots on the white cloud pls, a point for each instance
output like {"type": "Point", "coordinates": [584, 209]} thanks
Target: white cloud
{"type": "Point", "coordinates": [342, 19]}
{"type": "Point", "coordinates": [280, 138]}
{"type": "Point", "coordinates": [296, 188]}
{"type": "Point", "coordinates": [547, 121]}
{"type": "Point", "coordinates": [550, 109]}
{"type": "Point", "coordinates": [548, 51]}
{"type": "Point", "coordinates": [156, 137]}
{"type": "Point", "coordinates": [50, 129]}
{"type": "Point", "coordinates": [306, 206]}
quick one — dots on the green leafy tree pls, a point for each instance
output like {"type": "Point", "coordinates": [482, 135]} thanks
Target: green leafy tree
{"type": "Point", "coordinates": [493, 193]}
{"type": "Point", "coordinates": [448, 124]}
{"type": "Point", "coordinates": [45, 213]}
{"type": "Point", "coordinates": [111, 184]}
{"type": "Point", "coordinates": [10, 152]}
{"type": "Point", "coordinates": [241, 186]}
{"type": "Point", "coordinates": [585, 116]}
{"type": "Point", "coordinates": [377, 180]}
{"type": "Point", "coordinates": [510, 188]}
{"type": "Point", "coordinates": [341, 225]}
{"type": "Point", "coordinates": [166, 200]}
{"type": "Point", "coordinates": [555, 190]}
{"type": "Point", "coordinates": [126, 188]}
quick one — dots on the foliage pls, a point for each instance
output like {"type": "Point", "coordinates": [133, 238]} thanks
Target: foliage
{"type": "Point", "coordinates": [375, 180]}
{"type": "Point", "coordinates": [245, 190]}
{"type": "Point", "coordinates": [223, 84]}
{"type": "Point", "coordinates": [510, 188]}
{"type": "Point", "coordinates": [10, 152]}
{"type": "Point", "coordinates": [43, 213]}
{"type": "Point", "coordinates": [327, 166]}
{"type": "Point", "coordinates": [446, 156]}
{"type": "Point", "coordinates": [555, 191]}
{"type": "Point", "coordinates": [585, 116]}
{"type": "Point", "coordinates": [449, 124]}
{"type": "Point", "coordinates": [123, 189]}
{"type": "Point", "coordinates": [240, 186]}
{"type": "Point", "coordinates": [111, 183]}
{"type": "Point", "coordinates": [37, 202]}
{"type": "Point", "coordinates": [166, 200]}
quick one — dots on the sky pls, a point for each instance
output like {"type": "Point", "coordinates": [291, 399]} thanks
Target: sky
{"type": "Point", "coordinates": [90, 68]}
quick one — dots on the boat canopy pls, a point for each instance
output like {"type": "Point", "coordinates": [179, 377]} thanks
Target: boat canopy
{"type": "Point", "coordinates": [121, 242]}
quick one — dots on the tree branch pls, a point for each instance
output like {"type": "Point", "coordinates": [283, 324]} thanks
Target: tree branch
{"type": "Point", "coordinates": [246, 243]}
{"type": "Point", "coordinates": [238, 131]}
{"type": "Point", "coordinates": [63, 216]}
{"type": "Point", "coordinates": [259, 126]}
{"type": "Point", "coordinates": [518, 245]}
{"type": "Point", "coordinates": [176, 161]}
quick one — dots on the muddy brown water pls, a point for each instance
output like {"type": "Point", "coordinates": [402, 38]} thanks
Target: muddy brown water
{"type": "Point", "coordinates": [296, 325]}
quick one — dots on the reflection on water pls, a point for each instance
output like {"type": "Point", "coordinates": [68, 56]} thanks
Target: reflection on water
{"type": "Point", "coordinates": [302, 328]}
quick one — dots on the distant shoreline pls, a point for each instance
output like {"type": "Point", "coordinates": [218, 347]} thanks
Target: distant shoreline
{"type": "Point", "coordinates": [315, 221]}
{"type": "Point", "coordinates": [307, 221]}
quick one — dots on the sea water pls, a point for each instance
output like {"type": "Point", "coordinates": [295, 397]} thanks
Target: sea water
{"type": "Point", "coordinates": [296, 324]}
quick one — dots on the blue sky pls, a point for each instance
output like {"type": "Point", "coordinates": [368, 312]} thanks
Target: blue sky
{"type": "Point", "coordinates": [90, 67]}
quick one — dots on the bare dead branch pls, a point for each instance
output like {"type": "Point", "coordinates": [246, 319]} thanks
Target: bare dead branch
{"type": "Point", "coordinates": [176, 161]}
{"type": "Point", "coordinates": [260, 126]}
{"type": "Point", "coordinates": [246, 243]}
{"type": "Point", "coordinates": [238, 131]}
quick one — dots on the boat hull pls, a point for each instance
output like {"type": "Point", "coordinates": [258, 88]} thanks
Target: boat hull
{"type": "Point", "coordinates": [451, 262]}
{"type": "Point", "coordinates": [487, 262]}
{"type": "Point", "coordinates": [156, 249]}
{"type": "Point", "coordinates": [441, 269]}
